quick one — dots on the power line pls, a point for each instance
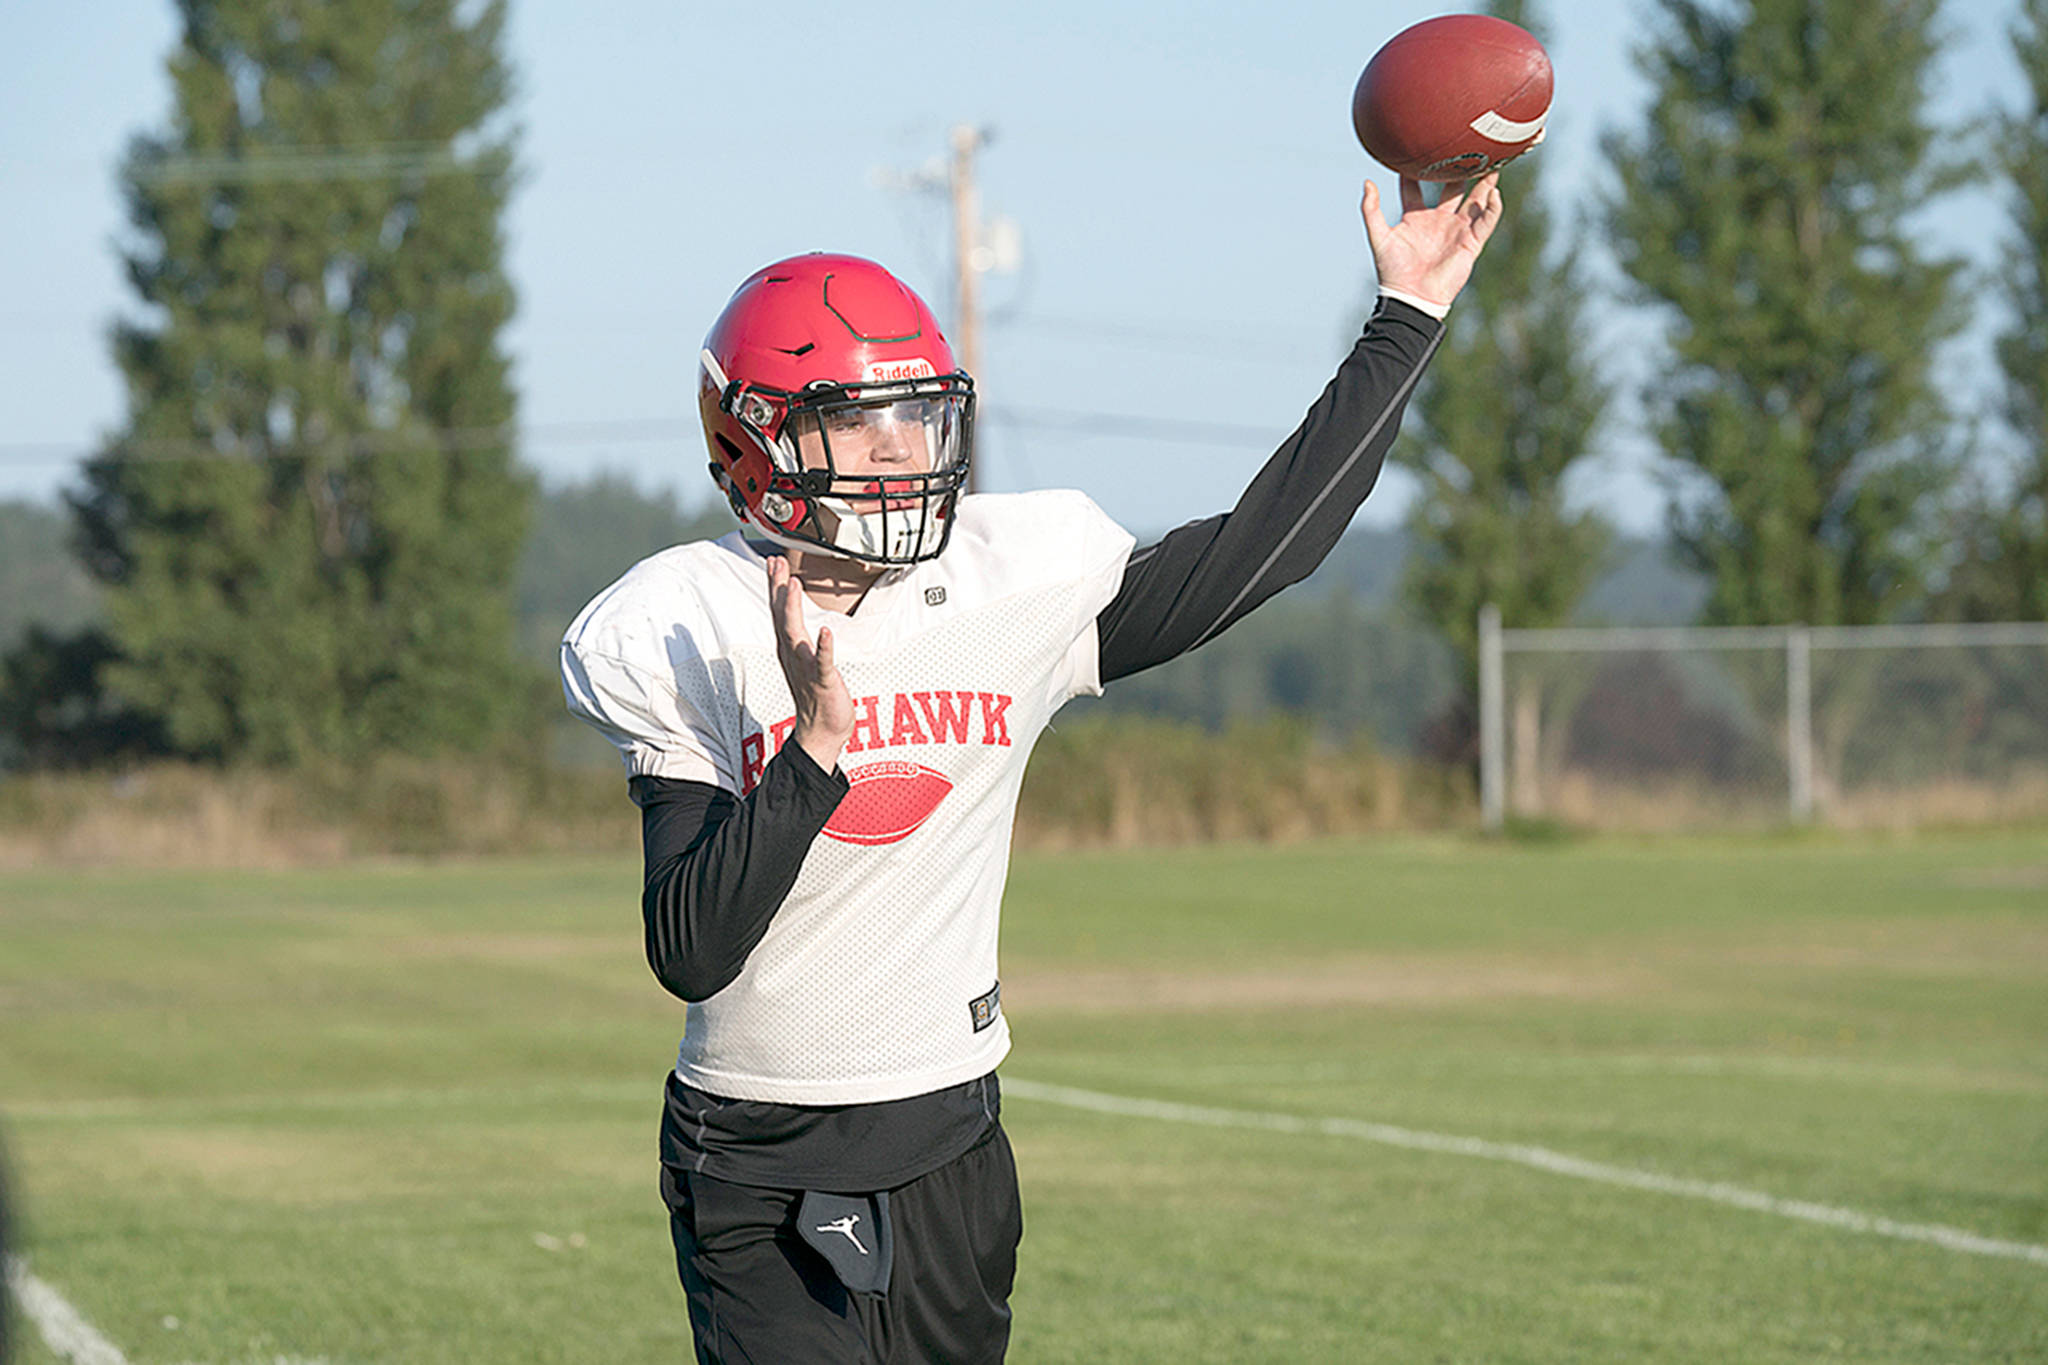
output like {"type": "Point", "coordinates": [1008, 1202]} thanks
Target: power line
{"type": "Point", "coordinates": [1246, 341]}
{"type": "Point", "coordinates": [411, 440]}
{"type": "Point", "coordinates": [263, 165]}
{"type": "Point", "coordinates": [600, 432]}
{"type": "Point", "coordinates": [1214, 340]}
{"type": "Point", "coordinates": [1136, 426]}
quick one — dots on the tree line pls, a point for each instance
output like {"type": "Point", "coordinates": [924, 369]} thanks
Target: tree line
{"type": "Point", "coordinates": [306, 536]}
{"type": "Point", "coordinates": [1343, 650]}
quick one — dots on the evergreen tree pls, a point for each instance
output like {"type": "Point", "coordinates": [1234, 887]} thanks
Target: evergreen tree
{"type": "Point", "coordinates": [2004, 571]}
{"type": "Point", "coordinates": [1765, 207]}
{"type": "Point", "coordinates": [309, 526]}
{"type": "Point", "coordinates": [54, 714]}
{"type": "Point", "coordinates": [1507, 406]}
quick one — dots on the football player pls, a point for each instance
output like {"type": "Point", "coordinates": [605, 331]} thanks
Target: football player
{"type": "Point", "coordinates": [825, 718]}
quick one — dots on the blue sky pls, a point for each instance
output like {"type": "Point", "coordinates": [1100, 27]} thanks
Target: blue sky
{"type": "Point", "coordinates": [1184, 176]}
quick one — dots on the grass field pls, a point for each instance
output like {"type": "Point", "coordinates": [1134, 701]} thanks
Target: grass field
{"type": "Point", "coordinates": [406, 1113]}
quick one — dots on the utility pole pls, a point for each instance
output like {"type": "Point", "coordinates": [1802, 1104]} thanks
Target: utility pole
{"type": "Point", "coordinates": [978, 247]}
{"type": "Point", "coordinates": [967, 265]}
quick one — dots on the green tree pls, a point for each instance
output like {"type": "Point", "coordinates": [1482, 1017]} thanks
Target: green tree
{"type": "Point", "coordinates": [1505, 409]}
{"type": "Point", "coordinates": [308, 528]}
{"type": "Point", "coordinates": [2003, 574]}
{"type": "Point", "coordinates": [54, 713]}
{"type": "Point", "coordinates": [1765, 207]}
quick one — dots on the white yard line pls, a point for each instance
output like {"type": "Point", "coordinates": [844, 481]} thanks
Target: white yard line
{"type": "Point", "coordinates": [64, 1329]}
{"type": "Point", "coordinates": [1541, 1158]}
{"type": "Point", "coordinates": [66, 1332]}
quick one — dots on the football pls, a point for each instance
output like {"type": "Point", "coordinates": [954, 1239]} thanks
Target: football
{"type": "Point", "coordinates": [1453, 97]}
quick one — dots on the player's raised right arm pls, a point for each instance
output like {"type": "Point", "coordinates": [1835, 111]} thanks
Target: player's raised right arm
{"type": "Point", "coordinates": [1203, 577]}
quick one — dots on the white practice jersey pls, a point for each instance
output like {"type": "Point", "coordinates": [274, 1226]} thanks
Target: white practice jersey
{"type": "Point", "coordinates": [876, 980]}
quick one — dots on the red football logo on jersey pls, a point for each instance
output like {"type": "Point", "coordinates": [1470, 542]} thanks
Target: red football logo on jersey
{"type": "Point", "coordinates": [885, 802]}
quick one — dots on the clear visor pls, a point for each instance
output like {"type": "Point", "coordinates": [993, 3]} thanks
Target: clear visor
{"type": "Point", "coordinates": [891, 438]}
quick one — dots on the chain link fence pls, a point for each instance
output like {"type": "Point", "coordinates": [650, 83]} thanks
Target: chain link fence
{"type": "Point", "coordinates": [1895, 726]}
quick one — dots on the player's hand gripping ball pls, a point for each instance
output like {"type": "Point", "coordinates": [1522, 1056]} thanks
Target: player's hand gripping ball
{"type": "Point", "coordinates": [1453, 97]}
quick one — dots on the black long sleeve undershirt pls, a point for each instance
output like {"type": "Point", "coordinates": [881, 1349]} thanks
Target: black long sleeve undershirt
{"type": "Point", "coordinates": [1198, 580]}
{"type": "Point", "coordinates": [719, 867]}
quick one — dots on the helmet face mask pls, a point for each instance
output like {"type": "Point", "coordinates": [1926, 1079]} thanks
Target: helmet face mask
{"type": "Point", "coordinates": [835, 417]}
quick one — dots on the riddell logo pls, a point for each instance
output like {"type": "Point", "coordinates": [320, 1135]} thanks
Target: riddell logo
{"type": "Point", "coordinates": [886, 801]}
{"type": "Point", "coordinates": [895, 371]}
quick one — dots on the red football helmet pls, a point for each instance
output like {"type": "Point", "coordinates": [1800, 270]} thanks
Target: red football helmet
{"type": "Point", "coordinates": [835, 416]}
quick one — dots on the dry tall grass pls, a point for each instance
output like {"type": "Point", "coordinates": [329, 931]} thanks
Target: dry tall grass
{"type": "Point", "coordinates": [175, 815]}
{"type": "Point", "coordinates": [1098, 782]}
{"type": "Point", "coordinates": [1591, 801]}
{"type": "Point", "coordinates": [1126, 782]}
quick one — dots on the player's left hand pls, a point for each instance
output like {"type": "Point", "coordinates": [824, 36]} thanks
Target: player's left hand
{"type": "Point", "coordinates": [1429, 252]}
{"type": "Point", "coordinates": [824, 707]}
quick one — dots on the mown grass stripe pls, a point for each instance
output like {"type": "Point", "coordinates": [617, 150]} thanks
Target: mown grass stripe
{"type": "Point", "coordinates": [1539, 1158]}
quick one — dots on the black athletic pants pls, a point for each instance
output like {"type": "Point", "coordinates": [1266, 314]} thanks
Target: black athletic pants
{"type": "Point", "coordinates": [759, 1295]}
